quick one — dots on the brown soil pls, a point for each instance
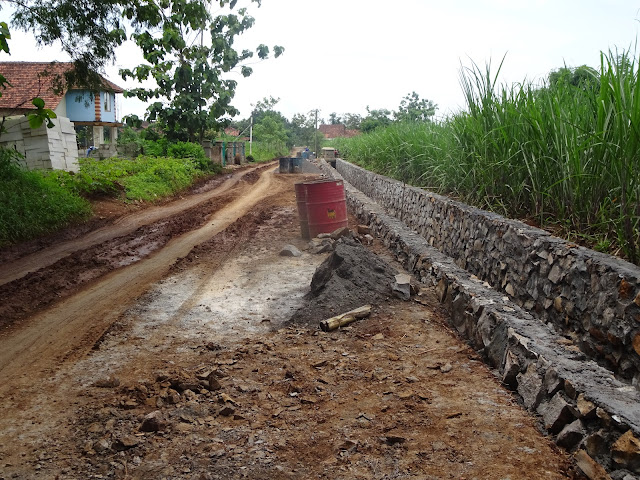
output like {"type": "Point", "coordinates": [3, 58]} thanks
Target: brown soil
{"type": "Point", "coordinates": [180, 365]}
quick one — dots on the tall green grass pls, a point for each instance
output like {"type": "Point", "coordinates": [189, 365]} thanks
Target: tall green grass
{"type": "Point", "coordinates": [567, 155]}
{"type": "Point", "coordinates": [266, 151]}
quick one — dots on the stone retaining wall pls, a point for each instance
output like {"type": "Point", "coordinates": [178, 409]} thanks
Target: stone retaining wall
{"type": "Point", "coordinates": [592, 298]}
{"type": "Point", "coordinates": [581, 404]}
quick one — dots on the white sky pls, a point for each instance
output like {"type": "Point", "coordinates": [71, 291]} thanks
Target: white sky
{"type": "Point", "coordinates": [342, 55]}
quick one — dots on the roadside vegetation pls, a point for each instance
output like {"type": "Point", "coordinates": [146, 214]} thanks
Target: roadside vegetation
{"type": "Point", "coordinates": [564, 154]}
{"type": "Point", "coordinates": [34, 203]}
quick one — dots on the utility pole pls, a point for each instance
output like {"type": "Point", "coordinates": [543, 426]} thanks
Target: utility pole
{"type": "Point", "coordinates": [315, 135]}
{"type": "Point", "coordinates": [251, 135]}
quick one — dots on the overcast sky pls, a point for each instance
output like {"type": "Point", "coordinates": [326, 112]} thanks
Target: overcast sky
{"type": "Point", "coordinates": [344, 55]}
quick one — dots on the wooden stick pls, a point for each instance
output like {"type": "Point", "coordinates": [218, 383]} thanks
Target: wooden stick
{"type": "Point", "coordinates": [345, 318]}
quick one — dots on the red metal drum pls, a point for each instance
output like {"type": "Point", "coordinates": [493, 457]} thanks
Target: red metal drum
{"type": "Point", "coordinates": [326, 206]}
{"type": "Point", "coordinates": [301, 199]}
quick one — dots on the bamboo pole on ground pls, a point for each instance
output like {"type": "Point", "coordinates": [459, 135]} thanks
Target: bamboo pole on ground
{"type": "Point", "coordinates": [345, 318]}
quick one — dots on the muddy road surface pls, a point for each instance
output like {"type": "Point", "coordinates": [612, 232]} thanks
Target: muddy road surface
{"type": "Point", "coordinates": [184, 346]}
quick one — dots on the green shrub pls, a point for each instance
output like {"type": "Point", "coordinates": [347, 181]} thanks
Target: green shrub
{"type": "Point", "coordinates": [186, 150]}
{"type": "Point", "coordinates": [34, 203]}
{"type": "Point", "coordinates": [190, 150]}
{"type": "Point", "coordinates": [156, 148]}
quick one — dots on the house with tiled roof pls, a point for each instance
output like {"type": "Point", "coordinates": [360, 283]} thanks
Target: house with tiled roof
{"type": "Point", "coordinates": [337, 131]}
{"type": "Point", "coordinates": [89, 114]}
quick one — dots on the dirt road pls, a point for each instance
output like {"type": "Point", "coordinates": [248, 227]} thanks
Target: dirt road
{"type": "Point", "coordinates": [182, 364]}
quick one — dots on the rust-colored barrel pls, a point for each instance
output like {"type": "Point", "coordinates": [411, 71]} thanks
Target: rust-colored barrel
{"type": "Point", "coordinates": [301, 199]}
{"type": "Point", "coordinates": [326, 206]}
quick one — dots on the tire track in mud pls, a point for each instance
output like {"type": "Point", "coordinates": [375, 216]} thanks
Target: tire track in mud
{"type": "Point", "coordinates": [71, 327]}
{"type": "Point", "coordinates": [52, 282]}
{"type": "Point", "coordinates": [121, 227]}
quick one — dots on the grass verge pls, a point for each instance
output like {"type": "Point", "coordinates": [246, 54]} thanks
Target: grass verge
{"type": "Point", "coordinates": [35, 203]}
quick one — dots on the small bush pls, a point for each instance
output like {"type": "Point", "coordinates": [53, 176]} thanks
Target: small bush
{"type": "Point", "coordinates": [186, 150]}
{"type": "Point", "coordinates": [156, 148]}
{"type": "Point", "coordinates": [190, 150]}
{"type": "Point", "coordinates": [35, 203]}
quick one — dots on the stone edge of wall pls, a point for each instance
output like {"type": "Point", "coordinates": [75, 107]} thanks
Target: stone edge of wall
{"type": "Point", "coordinates": [592, 297]}
{"type": "Point", "coordinates": [581, 404]}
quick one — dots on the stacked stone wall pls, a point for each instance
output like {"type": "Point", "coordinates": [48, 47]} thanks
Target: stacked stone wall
{"type": "Point", "coordinates": [592, 298]}
{"type": "Point", "coordinates": [43, 148]}
{"type": "Point", "coordinates": [581, 404]}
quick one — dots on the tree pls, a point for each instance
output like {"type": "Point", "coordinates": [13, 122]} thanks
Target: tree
{"type": "Point", "coordinates": [583, 77]}
{"type": "Point", "coordinates": [335, 119]}
{"type": "Point", "coordinates": [303, 130]}
{"type": "Point", "coordinates": [191, 91]}
{"type": "Point", "coordinates": [375, 119]}
{"type": "Point", "coordinates": [414, 109]}
{"type": "Point", "coordinates": [194, 95]}
{"type": "Point", "coordinates": [271, 129]}
{"type": "Point", "coordinates": [352, 121]}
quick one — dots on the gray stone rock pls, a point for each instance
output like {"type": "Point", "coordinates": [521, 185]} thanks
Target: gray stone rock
{"type": "Point", "coordinates": [511, 369]}
{"type": "Point", "coordinates": [153, 422]}
{"type": "Point", "coordinates": [290, 251]}
{"type": "Point", "coordinates": [402, 286]}
{"type": "Point", "coordinates": [212, 382]}
{"type": "Point", "coordinates": [101, 445]}
{"type": "Point", "coordinates": [340, 232]}
{"type": "Point", "coordinates": [110, 382]}
{"type": "Point", "coordinates": [596, 444]}
{"type": "Point", "coordinates": [498, 339]}
{"type": "Point", "coordinates": [557, 413]}
{"type": "Point", "coordinates": [125, 442]}
{"type": "Point", "coordinates": [571, 435]}
{"type": "Point", "coordinates": [552, 382]}
{"type": "Point", "coordinates": [364, 229]}
{"type": "Point", "coordinates": [530, 387]}
{"type": "Point", "coordinates": [327, 247]}
{"type": "Point", "coordinates": [227, 411]}
{"type": "Point", "coordinates": [555, 274]}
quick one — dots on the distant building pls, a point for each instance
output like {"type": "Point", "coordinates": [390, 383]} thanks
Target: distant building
{"type": "Point", "coordinates": [337, 131]}
{"type": "Point", "coordinates": [90, 114]}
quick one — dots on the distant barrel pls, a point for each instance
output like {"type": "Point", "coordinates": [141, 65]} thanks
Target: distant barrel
{"type": "Point", "coordinates": [285, 165]}
{"type": "Point", "coordinates": [295, 165]}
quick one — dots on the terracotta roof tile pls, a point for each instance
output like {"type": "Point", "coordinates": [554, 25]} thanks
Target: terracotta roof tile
{"type": "Point", "coordinates": [336, 131]}
{"type": "Point", "coordinates": [35, 79]}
